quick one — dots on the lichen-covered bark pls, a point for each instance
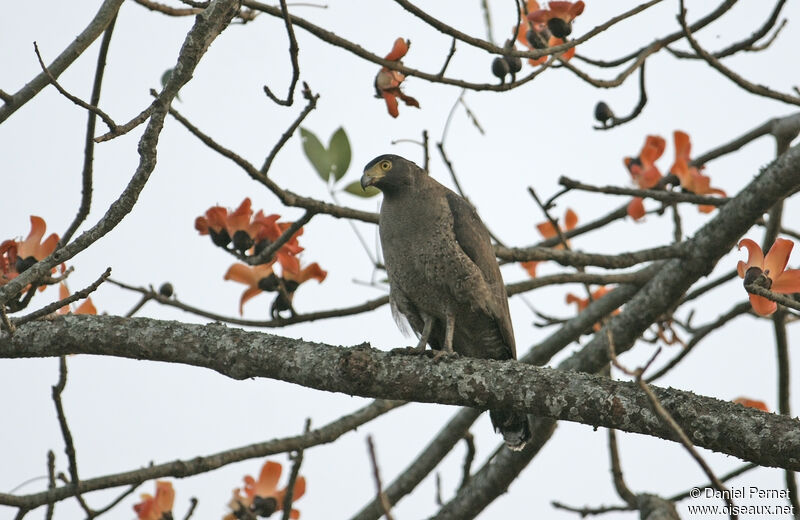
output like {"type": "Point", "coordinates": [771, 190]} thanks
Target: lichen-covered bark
{"type": "Point", "coordinates": [766, 439]}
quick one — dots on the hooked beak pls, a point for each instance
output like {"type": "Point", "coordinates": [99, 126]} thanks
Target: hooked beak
{"type": "Point", "coordinates": [371, 176]}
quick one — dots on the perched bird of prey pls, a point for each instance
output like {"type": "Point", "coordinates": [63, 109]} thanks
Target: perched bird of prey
{"type": "Point", "coordinates": [443, 273]}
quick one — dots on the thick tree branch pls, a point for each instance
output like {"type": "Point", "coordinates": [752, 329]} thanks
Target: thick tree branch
{"type": "Point", "coordinates": [367, 372]}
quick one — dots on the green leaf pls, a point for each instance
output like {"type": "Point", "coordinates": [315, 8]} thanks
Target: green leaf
{"type": "Point", "coordinates": [339, 153]}
{"type": "Point", "coordinates": [354, 188]}
{"type": "Point", "coordinates": [316, 153]}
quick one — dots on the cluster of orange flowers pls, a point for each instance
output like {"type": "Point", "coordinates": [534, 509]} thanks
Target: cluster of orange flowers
{"type": "Point", "coordinates": [16, 257]}
{"type": "Point", "coordinates": [251, 234]}
{"type": "Point", "coordinates": [646, 175]}
{"type": "Point", "coordinates": [261, 497]}
{"type": "Point", "coordinates": [543, 28]}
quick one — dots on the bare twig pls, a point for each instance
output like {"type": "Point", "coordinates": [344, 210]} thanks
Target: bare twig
{"type": "Point", "coordinates": [51, 482]}
{"type": "Point", "coordinates": [79, 295]}
{"type": "Point", "coordinates": [299, 318]}
{"type": "Point", "coordinates": [293, 52]}
{"type": "Point", "coordinates": [759, 90]}
{"type": "Point", "coordinates": [748, 44]}
{"type": "Point", "coordinates": [112, 126]}
{"type": "Point", "coordinates": [312, 103]}
{"type": "Point", "coordinates": [88, 154]}
{"type": "Point", "coordinates": [447, 60]}
{"type": "Point", "coordinates": [297, 458]}
{"type": "Point", "coordinates": [387, 507]}
{"type": "Point", "coordinates": [192, 505]}
{"type": "Point", "coordinates": [617, 121]}
{"type": "Point", "coordinates": [69, 445]}
{"type": "Point", "coordinates": [469, 457]}
{"type": "Point", "coordinates": [616, 471]}
{"type": "Point", "coordinates": [106, 13]}
{"type": "Point", "coordinates": [664, 41]}
{"type": "Point", "coordinates": [786, 301]}
{"type": "Point", "coordinates": [589, 511]}
{"type": "Point", "coordinates": [661, 195]}
{"type": "Point", "coordinates": [724, 478]}
{"type": "Point", "coordinates": [6, 322]}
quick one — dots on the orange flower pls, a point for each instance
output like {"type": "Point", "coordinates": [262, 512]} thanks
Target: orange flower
{"type": "Point", "coordinates": [258, 278]}
{"type": "Point", "coordinates": [17, 257]}
{"type": "Point", "coordinates": [158, 507]}
{"type": "Point", "coordinates": [547, 230]}
{"type": "Point", "coordinates": [86, 307]}
{"type": "Point", "coordinates": [768, 272]}
{"type": "Point", "coordinates": [584, 302]}
{"type": "Point", "coordinates": [636, 208]}
{"type": "Point", "coordinates": [32, 249]}
{"type": "Point", "coordinates": [387, 82]}
{"type": "Point", "coordinates": [691, 179]}
{"type": "Point", "coordinates": [248, 231]}
{"type": "Point", "coordinates": [291, 282]}
{"type": "Point", "coordinates": [558, 17]}
{"type": "Point", "coordinates": [225, 226]}
{"type": "Point", "coordinates": [752, 403]}
{"type": "Point", "coordinates": [262, 278]}
{"type": "Point", "coordinates": [262, 497]}
{"type": "Point", "coordinates": [270, 231]}
{"type": "Point", "coordinates": [644, 172]}
{"type": "Point", "coordinates": [536, 35]}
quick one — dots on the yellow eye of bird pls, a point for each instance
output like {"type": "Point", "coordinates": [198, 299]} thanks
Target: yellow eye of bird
{"type": "Point", "coordinates": [386, 165]}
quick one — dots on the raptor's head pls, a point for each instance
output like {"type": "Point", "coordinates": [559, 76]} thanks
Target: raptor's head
{"type": "Point", "coordinates": [391, 173]}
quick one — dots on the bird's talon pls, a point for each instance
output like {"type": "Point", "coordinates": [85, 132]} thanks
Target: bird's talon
{"type": "Point", "coordinates": [444, 354]}
{"type": "Point", "coordinates": [408, 351]}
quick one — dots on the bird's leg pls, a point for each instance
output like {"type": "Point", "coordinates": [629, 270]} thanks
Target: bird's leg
{"type": "Point", "coordinates": [427, 328]}
{"type": "Point", "coordinates": [449, 329]}
{"type": "Point", "coordinates": [426, 333]}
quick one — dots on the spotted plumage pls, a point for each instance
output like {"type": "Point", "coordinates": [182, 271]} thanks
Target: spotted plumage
{"type": "Point", "coordinates": [443, 274]}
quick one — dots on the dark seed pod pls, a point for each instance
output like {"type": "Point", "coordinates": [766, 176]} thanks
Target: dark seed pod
{"type": "Point", "coordinates": [264, 506]}
{"type": "Point", "coordinates": [269, 283]}
{"type": "Point", "coordinates": [242, 241]}
{"type": "Point", "coordinates": [538, 40]}
{"type": "Point", "coordinates": [602, 112]}
{"type": "Point", "coordinates": [279, 305]}
{"type": "Point", "coordinates": [500, 68]}
{"type": "Point", "coordinates": [221, 239]}
{"type": "Point", "coordinates": [559, 27]}
{"type": "Point", "coordinates": [23, 264]}
{"type": "Point", "coordinates": [754, 275]}
{"type": "Point", "coordinates": [166, 290]}
{"type": "Point", "coordinates": [514, 64]}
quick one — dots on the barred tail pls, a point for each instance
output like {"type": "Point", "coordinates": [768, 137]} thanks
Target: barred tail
{"type": "Point", "coordinates": [512, 426]}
